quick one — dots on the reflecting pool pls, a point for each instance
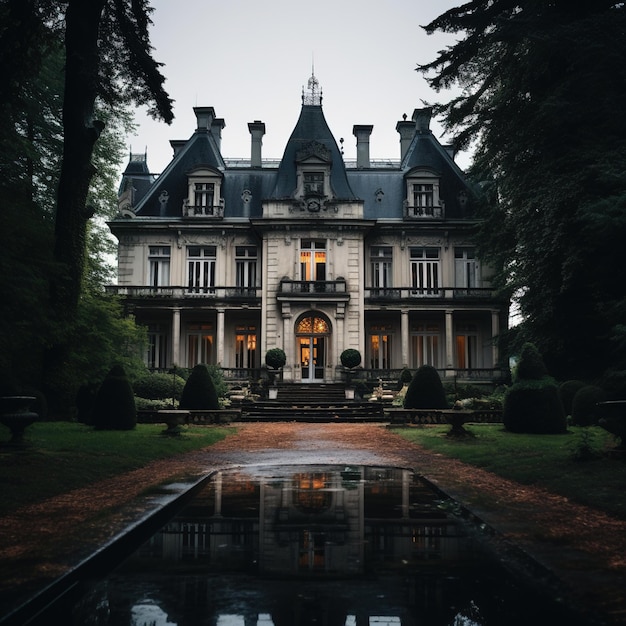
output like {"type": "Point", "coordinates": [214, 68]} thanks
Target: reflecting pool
{"type": "Point", "coordinates": [315, 545]}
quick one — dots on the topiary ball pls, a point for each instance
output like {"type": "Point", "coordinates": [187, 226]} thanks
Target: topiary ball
{"type": "Point", "coordinates": [567, 391]}
{"type": "Point", "coordinates": [585, 405]}
{"type": "Point", "coordinates": [350, 358]}
{"type": "Point", "coordinates": [275, 358]}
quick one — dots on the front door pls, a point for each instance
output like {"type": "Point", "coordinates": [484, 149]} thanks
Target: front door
{"type": "Point", "coordinates": [312, 338]}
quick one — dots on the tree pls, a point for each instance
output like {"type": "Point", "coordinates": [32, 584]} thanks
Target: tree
{"type": "Point", "coordinates": [540, 83]}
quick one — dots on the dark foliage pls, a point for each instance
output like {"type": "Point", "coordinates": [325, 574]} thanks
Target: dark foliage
{"type": "Point", "coordinates": [585, 411]}
{"type": "Point", "coordinates": [534, 407]}
{"type": "Point", "coordinates": [199, 392]}
{"type": "Point", "coordinates": [406, 376]}
{"type": "Point", "coordinates": [114, 407]}
{"type": "Point", "coordinates": [159, 386]}
{"type": "Point", "coordinates": [567, 391]}
{"type": "Point", "coordinates": [275, 358]}
{"type": "Point", "coordinates": [530, 365]}
{"type": "Point", "coordinates": [425, 390]}
{"type": "Point", "coordinates": [350, 358]}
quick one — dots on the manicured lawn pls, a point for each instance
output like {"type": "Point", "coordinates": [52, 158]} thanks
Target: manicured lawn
{"type": "Point", "coordinates": [61, 456]}
{"type": "Point", "coordinates": [548, 461]}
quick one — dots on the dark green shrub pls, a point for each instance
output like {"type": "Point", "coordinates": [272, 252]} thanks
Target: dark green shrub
{"type": "Point", "coordinates": [534, 406]}
{"type": "Point", "coordinates": [159, 386]}
{"type": "Point", "coordinates": [350, 358]}
{"type": "Point", "coordinates": [275, 358]}
{"type": "Point", "coordinates": [530, 365]}
{"type": "Point", "coordinates": [567, 391]}
{"type": "Point", "coordinates": [114, 406]}
{"type": "Point", "coordinates": [425, 390]}
{"type": "Point", "coordinates": [584, 409]}
{"type": "Point", "coordinates": [199, 392]}
{"type": "Point", "coordinates": [406, 376]}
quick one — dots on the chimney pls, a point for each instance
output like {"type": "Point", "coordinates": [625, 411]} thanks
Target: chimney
{"type": "Point", "coordinates": [406, 131]}
{"type": "Point", "coordinates": [421, 117]}
{"type": "Point", "coordinates": [257, 130]}
{"type": "Point", "coordinates": [177, 145]}
{"type": "Point", "coordinates": [204, 117]}
{"type": "Point", "coordinates": [216, 130]}
{"type": "Point", "coordinates": [362, 134]}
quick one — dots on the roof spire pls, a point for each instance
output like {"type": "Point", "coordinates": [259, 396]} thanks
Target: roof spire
{"type": "Point", "coordinates": [313, 94]}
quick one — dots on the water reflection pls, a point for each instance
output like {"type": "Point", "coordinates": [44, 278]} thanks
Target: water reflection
{"type": "Point", "coordinates": [324, 545]}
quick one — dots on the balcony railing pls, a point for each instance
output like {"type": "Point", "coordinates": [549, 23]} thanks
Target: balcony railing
{"type": "Point", "coordinates": [316, 287]}
{"type": "Point", "coordinates": [451, 293]}
{"type": "Point", "coordinates": [423, 212]}
{"type": "Point", "coordinates": [142, 291]}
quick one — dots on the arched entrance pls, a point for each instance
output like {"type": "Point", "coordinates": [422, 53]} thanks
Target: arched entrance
{"type": "Point", "coordinates": [312, 341]}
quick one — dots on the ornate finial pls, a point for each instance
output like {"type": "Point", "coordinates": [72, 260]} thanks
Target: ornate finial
{"type": "Point", "coordinates": [313, 94]}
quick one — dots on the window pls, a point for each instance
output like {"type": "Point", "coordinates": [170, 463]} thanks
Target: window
{"type": "Point", "coordinates": [159, 264]}
{"type": "Point", "coordinates": [422, 194]}
{"type": "Point", "coordinates": [425, 342]}
{"type": "Point", "coordinates": [201, 269]}
{"type": "Point", "coordinates": [425, 271]}
{"type": "Point", "coordinates": [466, 346]}
{"type": "Point", "coordinates": [380, 347]}
{"type": "Point", "coordinates": [246, 266]}
{"type": "Point", "coordinates": [380, 261]}
{"type": "Point", "coordinates": [313, 183]}
{"type": "Point", "coordinates": [156, 356]}
{"type": "Point", "coordinates": [313, 263]}
{"type": "Point", "coordinates": [200, 342]}
{"type": "Point", "coordinates": [423, 198]}
{"type": "Point", "coordinates": [203, 198]}
{"type": "Point", "coordinates": [466, 268]}
{"type": "Point", "coordinates": [245, 346]}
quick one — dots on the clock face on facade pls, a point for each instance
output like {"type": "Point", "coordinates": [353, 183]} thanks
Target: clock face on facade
{"type": "Point", "coordinates": [313, 205]}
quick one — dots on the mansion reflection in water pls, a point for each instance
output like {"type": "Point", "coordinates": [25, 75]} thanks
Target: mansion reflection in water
{"type": "Point", "coordinates": [327, 521]}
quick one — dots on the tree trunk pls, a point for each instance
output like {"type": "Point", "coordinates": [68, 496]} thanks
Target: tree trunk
{"type": "Point", "coordinates": [80, 134]}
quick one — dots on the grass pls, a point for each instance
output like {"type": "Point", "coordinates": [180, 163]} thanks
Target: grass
{"type": "Point", "coordinates": [549, 461]}
{"type": "Point", "coordinates": [61, 456]}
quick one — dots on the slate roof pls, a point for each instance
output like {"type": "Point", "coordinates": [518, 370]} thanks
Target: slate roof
{"type": "Point", "coordinates": [383, 190]}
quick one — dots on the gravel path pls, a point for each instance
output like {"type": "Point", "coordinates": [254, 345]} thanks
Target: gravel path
{"type": "Point", "coordinates": [584, 548]}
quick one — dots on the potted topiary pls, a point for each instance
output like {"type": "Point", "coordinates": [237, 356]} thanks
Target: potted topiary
{"type": "Point", "coordinates": [350, 359]}
{"type": "Point", "coordinates": [275, 359]}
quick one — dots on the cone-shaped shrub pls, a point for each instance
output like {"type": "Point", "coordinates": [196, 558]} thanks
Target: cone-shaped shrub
{"type": "Point", "coordinates": [532, 404]}
{"type": "Point", "coordinates": [199, 391]}
{"type": "Point", "coordinates": [114, 407]}
{"type": "Point", "coordinates": [584, 405]}
{"type": "Point", "coordinates": [531, 365]}
{"type": "Point", "coordinates": [425, 390]}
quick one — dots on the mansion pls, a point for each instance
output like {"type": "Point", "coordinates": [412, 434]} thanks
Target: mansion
{"type": "Point", "coordinates": [224, 259]}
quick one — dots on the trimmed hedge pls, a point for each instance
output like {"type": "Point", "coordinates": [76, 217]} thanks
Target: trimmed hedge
{"type": "Point", "coordinates": [199, 392]}
{"type": "Point", "coordinates": [114, 406]}
{"type": "Point", "coordinates": [159, 386]}
{"type": "Point", "coordinates": [425, 390]}
{"type": "Point", "coordinates": [584, 409]}
{"type": "Point", "coordinates": [534, 406]}
{"type": "Point", "coordinates": [567, 391]}
{"type": "Point", "coordinates": [531, 365]}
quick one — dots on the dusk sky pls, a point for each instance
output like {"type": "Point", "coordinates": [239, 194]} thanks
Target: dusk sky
{"type": "Point", "coordinates": [249, 60]}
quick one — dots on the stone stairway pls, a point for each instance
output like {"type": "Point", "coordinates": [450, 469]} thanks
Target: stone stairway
{"type": "Point", "coordinates": [312, 403]}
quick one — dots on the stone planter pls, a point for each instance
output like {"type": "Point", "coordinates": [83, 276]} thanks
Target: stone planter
{"type": "Point", "coordinates": [16, 415]}
{"type": "Point", "coordinates": [349, 393]}
{"type": "Point", "coordinates": [174, 419]}
{"type": "Point", "coordinates": [272, 393]}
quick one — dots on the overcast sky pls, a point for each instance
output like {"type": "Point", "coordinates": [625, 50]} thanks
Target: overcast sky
{"type": "Point", "coordinates": [249, 60]}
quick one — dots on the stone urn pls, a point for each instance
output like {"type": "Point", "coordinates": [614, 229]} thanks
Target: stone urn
{"type": "Point", "coordinates": [16, 415]}
{"type": "Point", "coordinates": [173, 419]}
{"type": "Point", "coordinates": [457, 419]}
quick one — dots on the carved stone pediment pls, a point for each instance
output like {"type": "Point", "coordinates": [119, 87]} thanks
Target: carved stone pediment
{"type": "Point", "coordinates": [314, 149]}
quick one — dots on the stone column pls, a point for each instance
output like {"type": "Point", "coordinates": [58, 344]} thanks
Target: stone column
{"type": "Point", "coordinates": [449, 341]}
{"type": "Point", "coordinates": [220, 337]}
{"type": "Point", "coordinates": [404, 333]}
{"type": "Point", "coordinates": [495, 331]}
{"type": "Point", "coordinates": [176, 337]}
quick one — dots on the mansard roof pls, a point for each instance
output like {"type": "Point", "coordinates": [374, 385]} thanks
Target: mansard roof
{"type": "Point", "coordinates": [310, 133]}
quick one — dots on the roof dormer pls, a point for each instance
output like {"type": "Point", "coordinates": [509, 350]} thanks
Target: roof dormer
{"type": "Point", "coordinates": [204, 197]}
{"type": "Point", "coordinates": [423, 198]}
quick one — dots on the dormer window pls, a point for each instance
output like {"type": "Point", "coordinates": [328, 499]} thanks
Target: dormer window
{"type": "Point", "coordinates": [422, 195]}
{"type": "Point", "coordinates": [203, 196]}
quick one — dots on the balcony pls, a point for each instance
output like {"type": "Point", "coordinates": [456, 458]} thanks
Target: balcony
{"type": "Point", "coordinates": [211, 210]}
{"type": "Point", "coordinates": [389, 294]}
{"type": "Point", "coordinates": [143, 292]}
{"type": "Point", "coordinates": [333, 290]}
{"type": "Point", "coordinates": [423, 212]}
